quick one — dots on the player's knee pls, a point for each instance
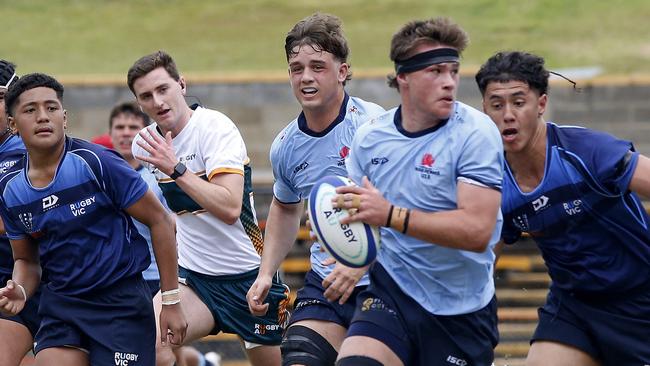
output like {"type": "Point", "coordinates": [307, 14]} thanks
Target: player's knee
{"type": "Point", "coordinates": [303, 346]}
{"type": "Point", "coordinates": [358, 361]}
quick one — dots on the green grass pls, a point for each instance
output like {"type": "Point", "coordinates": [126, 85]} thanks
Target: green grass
{"type": "Point", "coordinates": [95, 37]}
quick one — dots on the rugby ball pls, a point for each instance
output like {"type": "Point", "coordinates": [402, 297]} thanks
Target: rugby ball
{"type": "Point", "coordinates": [355, 244]}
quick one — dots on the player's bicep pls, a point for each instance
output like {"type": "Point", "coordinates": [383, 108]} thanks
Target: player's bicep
{"type": "Point", "coordinates": [640, 182]}
{"type": "Point", "coordinates": [481, 203]}
{"type": "Point", "coordinates": [25, 249]}
{"type": "Point", "coordinates": [232, 182]}
{"type": "Point", "coordinates": [148, 209]}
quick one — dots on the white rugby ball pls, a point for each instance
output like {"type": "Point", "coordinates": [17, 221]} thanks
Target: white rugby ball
{"type": "Point", "coordinates": [355, 244]}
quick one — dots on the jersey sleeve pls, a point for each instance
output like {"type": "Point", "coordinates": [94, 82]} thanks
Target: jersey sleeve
{"type": "Point", "coordinates": [481, 160]}
{"type": "Point", "coordinates": [14, 230]}
{"type": "Point", "coordinates": [353, 163]}
{"type": "Point", "coordinates": [509, 233]}
{"type": "Point", "coordinates": [282, 188]}
{"type": "Point", "coordinates": [121, 182]}
{"type": "Point", "coordinates": [610, 160]}
{"type": "Point", "coordinates": [223, 148]}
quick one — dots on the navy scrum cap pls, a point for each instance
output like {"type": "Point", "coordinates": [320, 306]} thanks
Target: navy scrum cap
{"type": "Point", "coordinates": [7, 74]}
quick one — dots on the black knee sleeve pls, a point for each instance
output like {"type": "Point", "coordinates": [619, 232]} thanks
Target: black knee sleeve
{"type": "Point", "coordinates": [358, 361]}
{"type": "Point", "coordinates": [304, 346]}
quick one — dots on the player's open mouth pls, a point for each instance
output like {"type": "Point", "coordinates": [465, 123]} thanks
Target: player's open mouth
{"type": "Point", "coordinates": [509, 134]}
{"type": "Point", "coordinates": [163, 112]}
{"type": "Point", "coordinates": [309, 91]}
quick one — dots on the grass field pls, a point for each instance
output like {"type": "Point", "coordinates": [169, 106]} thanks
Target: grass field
{"type": "Point", "coordinates": [104, 37]}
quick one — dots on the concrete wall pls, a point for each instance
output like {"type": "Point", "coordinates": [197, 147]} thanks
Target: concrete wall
{"type": "Point", "coordinates": [260, 110]}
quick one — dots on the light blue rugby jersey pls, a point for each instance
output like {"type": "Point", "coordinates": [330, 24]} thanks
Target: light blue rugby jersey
{"type": "Point", "coordinates": [11, 153]}
{"type": "Point", "coordinates": [86, 240]}
{"type": "Point", "coordinates": [300, 157]}
{"type": "Point", "coordinates": [593, 232]}
{"type": "Point", "coordinates": [151, 273]}
{"type": "Point", "coordinates": [421, 171]}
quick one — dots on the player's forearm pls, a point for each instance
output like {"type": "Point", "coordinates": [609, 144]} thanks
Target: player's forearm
{"type": "Point", "coordinates": [456, 229]}
{"type": "Point", "coordinates": [282, 225]}
{"type": "Point", "coordinates": [216, 199]}
{"type": "Point", "coordinates": [27, 273]}
{"type": "Point", "coordinates": [163, 241]}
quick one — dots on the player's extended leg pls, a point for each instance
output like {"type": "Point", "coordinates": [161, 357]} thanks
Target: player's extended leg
{"type": "Point", "coordinates": [372, 352]}
{"type": "Point", "coordinates": [199, 323]}
{"type": "Point", "coordinates": [557, 354]}
{"type": "Point", "coordinates": [57, 356]}
{"type": "Point", "coordinates": [260, 355]}
{"type": "Point", "coordinates": [15, 342]}
{"type": "Point", "coordinates": [312, 343]}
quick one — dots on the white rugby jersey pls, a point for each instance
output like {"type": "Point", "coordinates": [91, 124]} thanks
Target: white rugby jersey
{"type": "Point", "coordinates": [210, 144]}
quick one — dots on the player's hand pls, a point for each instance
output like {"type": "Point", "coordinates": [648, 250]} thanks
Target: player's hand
{"type": "Point", "coordinates": [173, 325]}
{"type": "Point", "coordinates": [12, 299]}
{"type": "Point", "coordinates": [257, 294]}
{"type": "Point", "coordinates": [340, 284]}
{"type": "Point", "coordinates": [161, 151]}
{"type": "Point", "coordinates": [371, 206]}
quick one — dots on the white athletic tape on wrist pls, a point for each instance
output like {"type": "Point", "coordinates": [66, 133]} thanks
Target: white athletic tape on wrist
{"type": "Point", "coordinates": [22, 289]}
{"type": "Point", "coordinates": [175, 291]}
{"type": "Point", "coordinates": [171, 302]}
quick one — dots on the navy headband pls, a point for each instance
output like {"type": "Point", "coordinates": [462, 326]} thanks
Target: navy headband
{"type": "Point", "coordinates": [425, 59]}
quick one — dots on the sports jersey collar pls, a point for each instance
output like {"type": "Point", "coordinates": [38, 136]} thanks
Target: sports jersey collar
{"type": "Point", "coordinates": [302, 121]}
{"type": "Point", "coordinates": [398, 124]}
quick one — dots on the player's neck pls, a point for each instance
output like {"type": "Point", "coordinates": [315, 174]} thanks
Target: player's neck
{"type": "Point", "coordinates": [320, 118]}
{"type": "Point", "coordinates": [529, 164]}
{"type": "Point", "coordinates": [414, 120]}
{"type": "Point", "coordinates": [177, 127]}
{"type": "Point", "coordinates": [43, 164]}
{"type": "Point", "coordinates": [135, 164]}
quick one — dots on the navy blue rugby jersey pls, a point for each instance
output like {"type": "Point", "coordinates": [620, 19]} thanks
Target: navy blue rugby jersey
{"type": "Point", "coordinates": [592, 231]}
{"type": "Point", "coordinates": [86, 240]}
{"type": "Point", "coordinates": [11, 153]}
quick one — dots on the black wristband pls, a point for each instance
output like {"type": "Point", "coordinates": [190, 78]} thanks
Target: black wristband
{"type": "Point", "coordinates": [390, 215]}
{"type": "Point", "coordinates": [406, 221]}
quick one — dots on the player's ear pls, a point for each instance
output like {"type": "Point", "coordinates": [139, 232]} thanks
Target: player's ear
{"type": "Point", "coordinates": [181, 81]}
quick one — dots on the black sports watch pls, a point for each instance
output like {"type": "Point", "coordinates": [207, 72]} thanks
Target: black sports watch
{"type": "Point", "coordinates": [179, 170]}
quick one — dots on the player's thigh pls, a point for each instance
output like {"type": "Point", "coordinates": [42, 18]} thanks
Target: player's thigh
{"type": "Point", "coordinates": [15, 342]}
{"type": "Point", "coordinates": [369, 347]}
{"type": "Point", "coordinates": [332, 332]}
{"type": "Point", "coordinates": [200, 321]}
{"type": "Point", "coordinates": [261, 355]}
{"type": "Point", "coordinates": [57, 356]}
{"type": "Point", "coordinates": [544, 353]}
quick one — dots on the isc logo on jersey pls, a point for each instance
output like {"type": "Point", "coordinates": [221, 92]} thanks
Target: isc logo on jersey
{"type": "Point", "coordinates": [355, 244]}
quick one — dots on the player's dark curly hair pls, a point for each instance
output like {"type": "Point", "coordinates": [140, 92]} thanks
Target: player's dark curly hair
{"type": "Point", "coordinates": [323, 32]}
{"type": "Point", "coordinates": [28, 82]}
{"type": "Point", "coordinates": [514, 66]}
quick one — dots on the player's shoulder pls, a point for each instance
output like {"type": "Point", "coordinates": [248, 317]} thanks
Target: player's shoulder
{"type": "Point", "coordinates": [12, 143]}
{"type": "Point", "coordinates": [362, 108]}
{"type": "Point", "coordinates": [381, 123]}
{"type": "Point", "coordinates": [211, 119]}
{"type": "Point", "coordinates": [571, 137]}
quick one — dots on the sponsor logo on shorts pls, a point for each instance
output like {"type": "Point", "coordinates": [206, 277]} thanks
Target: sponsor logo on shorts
{"type": "Point", "coordinates": [456, 361]}
{"type": "Point", "coordinates": [375, 304]}
{"type": "Point", "coordinates": [124, 358]}
{"type": "Point", "coordinates": [303, 303]}
{"type": "Point", "coordinates": [264, 328]}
